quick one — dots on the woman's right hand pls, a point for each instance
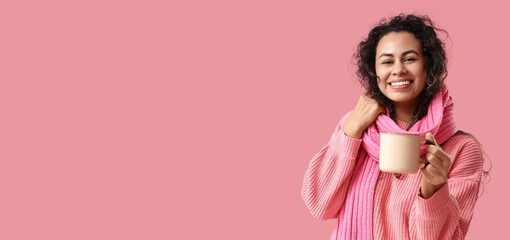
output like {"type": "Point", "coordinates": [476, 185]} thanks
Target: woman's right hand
{"type": "Point", "coordinates": [366, 111]}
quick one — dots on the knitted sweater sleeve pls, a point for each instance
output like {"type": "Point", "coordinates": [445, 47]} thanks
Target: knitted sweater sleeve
{"type": "Point", "coordinates": [329, 171]}
{"type": "Point", "coordinates": [447, 214]}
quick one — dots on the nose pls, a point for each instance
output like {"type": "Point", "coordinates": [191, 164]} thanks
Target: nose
{"type": "Point", "coordinates": [399, 69]}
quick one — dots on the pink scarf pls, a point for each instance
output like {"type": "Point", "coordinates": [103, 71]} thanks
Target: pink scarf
{"type": "Point", "coordinates": [356, 217]}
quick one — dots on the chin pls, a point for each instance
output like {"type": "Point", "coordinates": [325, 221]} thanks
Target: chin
{"type": "Point", "coordinates": [400, 99]}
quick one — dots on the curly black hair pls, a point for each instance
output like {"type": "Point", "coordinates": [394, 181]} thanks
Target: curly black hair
{"type": "Point", "coordinates": [434, 59]}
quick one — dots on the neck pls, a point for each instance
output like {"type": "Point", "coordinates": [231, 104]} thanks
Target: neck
{"type": "Point", "coordinates": [404, 111]}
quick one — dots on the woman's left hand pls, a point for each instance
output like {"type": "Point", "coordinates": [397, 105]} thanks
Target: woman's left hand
{"type": "Point", "coordinates": [434, 174]}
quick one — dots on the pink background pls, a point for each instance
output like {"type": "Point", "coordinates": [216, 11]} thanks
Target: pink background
{"type": "Point", "coordinates": [196, 120]}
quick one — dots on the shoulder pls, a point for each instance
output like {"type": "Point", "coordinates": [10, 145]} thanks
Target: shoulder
{"type": "Point", "coordinates": [466, 154]}
{"type": "Point", "coordinates": [462, 141]}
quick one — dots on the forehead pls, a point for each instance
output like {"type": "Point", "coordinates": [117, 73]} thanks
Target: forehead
{"type": "Point", "coordinates": [398, 42]}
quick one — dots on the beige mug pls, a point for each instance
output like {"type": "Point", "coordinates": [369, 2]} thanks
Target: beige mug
{"type": "Point", "coordinates": [399, 153]}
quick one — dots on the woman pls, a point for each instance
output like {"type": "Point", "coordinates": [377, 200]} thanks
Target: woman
{"type": "Point", "coordinates": [402, 65]}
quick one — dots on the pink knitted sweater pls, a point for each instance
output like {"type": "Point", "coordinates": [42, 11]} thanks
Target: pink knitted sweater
{"type": "Point", "coordinates": [399, 212]}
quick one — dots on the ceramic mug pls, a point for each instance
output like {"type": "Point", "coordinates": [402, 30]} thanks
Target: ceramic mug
{"type": "Point", "coordinates": [399, 153]}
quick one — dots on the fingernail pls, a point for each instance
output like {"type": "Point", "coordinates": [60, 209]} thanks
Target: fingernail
{"type": "Point", "coordinates": [424, 164]}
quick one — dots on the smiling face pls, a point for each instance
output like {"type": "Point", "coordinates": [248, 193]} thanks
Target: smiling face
{"type": "Point", "coordinates": [399, 65]}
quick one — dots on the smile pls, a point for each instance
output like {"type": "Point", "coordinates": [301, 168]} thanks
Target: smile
{"type": "Point", "coordinates": [402, 83]}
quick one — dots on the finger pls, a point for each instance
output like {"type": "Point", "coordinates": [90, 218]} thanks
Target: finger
{"type": "Point", "coordinates": [424, 164]}
{"type": "Point", "coordinates": [441, 168]}
{"type": "Point", "coordinates": [432, 172]}
{"type": "Point", "coordinates": [426, 174]}
{"type": "Point", "coordinates": [435, 161]}
{"type": "Point", "coordinates": [429, 137]}
{"type": "Point", "coordinates": [439, 153]}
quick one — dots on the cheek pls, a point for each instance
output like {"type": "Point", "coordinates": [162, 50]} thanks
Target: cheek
{"type": "Point", "coordinates": [382, 73]}
{"type": "Point", "coordinates": [423, 77]}
{"type": "Point", "coordinates": [381, 83]}
{"type": "Point", "coordinates": [423, 84]}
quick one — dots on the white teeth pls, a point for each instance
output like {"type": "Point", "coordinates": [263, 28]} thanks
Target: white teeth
{"type": "Point", "coordinates": [400, 83]}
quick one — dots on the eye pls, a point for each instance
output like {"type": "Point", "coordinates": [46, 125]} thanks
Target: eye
{"type": "Point", "coordinates": [387, 62]}
{"type": "Point", "coordinates": [409, 59]}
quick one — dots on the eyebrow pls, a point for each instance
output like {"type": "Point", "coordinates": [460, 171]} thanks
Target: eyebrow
{"type": "Point", "coordinates": [404, 53]}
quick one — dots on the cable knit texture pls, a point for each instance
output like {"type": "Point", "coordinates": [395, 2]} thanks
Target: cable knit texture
{"type": "Point", "coordinates": [343, 181]}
